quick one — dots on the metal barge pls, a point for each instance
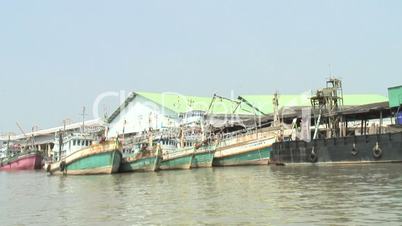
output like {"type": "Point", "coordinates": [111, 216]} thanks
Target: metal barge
{"type": "Point", "coordinates": [343, 135]}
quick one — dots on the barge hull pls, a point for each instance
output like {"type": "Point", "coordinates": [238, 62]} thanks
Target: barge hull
{"type": "Point", "coordinates": [382, 148]}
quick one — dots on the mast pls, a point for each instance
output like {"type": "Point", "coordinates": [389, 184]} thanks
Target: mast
{"type": "Point", "coordinates": [83, 119]}
{"type": "Point", "coordinates": [25, 135]}
{"type": "Point", "coordinates": [124, 132]}
{"type": "Point", "coordinates": [33, 138]}
{"type": "Point", "coordinates": [203, 135]}
{"type": "Point", "coordinates": [64, 126]}
{"type": "Point", "coordinates": [150, 139]}
{"type": "Point", "coordinates": [181, 137]}
{"type": "Point", "coordinates": [275, 104]}
{"type": "Point", "coordinates": [8, 146]}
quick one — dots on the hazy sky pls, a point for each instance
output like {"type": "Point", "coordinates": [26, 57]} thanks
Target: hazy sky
{"type": "Point", "coordinates": [57, 56]}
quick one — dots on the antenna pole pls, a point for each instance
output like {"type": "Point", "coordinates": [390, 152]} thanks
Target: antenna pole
{"type": "Point", "coordinates": [83, 119]}
{"type": "Point", "coordinates": [64, 125]}
{"type": "Point", "coordinates": [33, 137]}
{"type": "Point", "coordinates": [25, 135]}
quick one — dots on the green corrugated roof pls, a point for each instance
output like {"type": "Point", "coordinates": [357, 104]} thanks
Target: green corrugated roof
{"type": "Point", "coordinates": [264, 102]}
{"type": "Point", "coordinates": [361, 99]}
{"type": "Point", "coordinates": [181, 103]}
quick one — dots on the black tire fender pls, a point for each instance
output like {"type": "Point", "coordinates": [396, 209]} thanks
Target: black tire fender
{"type": "Point", "coordinates": [313, 156]}
{"type": "Point", "coordinates": [62, 166]}
{"type": "Point", "coordinates": [377, 152]}
{"type": "Point", "coordinates": [355, 151]}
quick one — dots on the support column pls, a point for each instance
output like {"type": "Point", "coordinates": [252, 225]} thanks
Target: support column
{"type": "Point", "coordinates": [381, 122]}
{"type": "Point", "coordinates": [365, 127]}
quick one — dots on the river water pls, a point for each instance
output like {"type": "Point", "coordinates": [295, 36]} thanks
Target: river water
{"type": "Point", "coordinates": [262, 195]}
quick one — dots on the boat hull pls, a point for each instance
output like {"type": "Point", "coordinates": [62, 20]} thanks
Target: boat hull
{"type": "Point", "coordinates": [258, 156]}
{"type": "Point", "coordinates": [146, 164]}
{"type": "Point", "coordinates": [203, 160]}
{"type": "Point", "coordinates": [97, 159]}
{"type": "Point", "coordinates": [249, 150]}
{"type": "Point", "coordinates": [31, 161]}
{"type": "Point", "coordinates": [347, 150]}
{"type": "Point", "coordinates": [177, 163]}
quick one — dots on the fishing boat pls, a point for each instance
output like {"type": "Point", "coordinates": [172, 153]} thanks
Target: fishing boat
{"type": "Point", "coordinates": [14, 157]}
{"type": "Point", "coordinates": [188, 156]}
{"type": "Point", "coordinates": [26, 160]}
{"type": "Point", "coordinates": [145, 158]}
{"type": "Point", "coordinates": [3, 152]}
{"type": "Point", "coordinates": [175, 157]}
{"type": "Point", "coordinates": [204, 155]}
{"type": "Point", "coordinates": [79, 154]}
{"type": "Point", "coordinates": [243, 142]}
{"type": "Point", "coordinates": [250, 147]}
{"type": "Point", "coordinates": [190, 150]}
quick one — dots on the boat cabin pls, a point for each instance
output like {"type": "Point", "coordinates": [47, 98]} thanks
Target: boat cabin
{"type": "Point", "coordinates": [70, 144]}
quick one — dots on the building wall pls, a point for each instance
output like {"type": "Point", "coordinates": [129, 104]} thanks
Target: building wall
{"type": "Point", "coordinates": [139, 115]}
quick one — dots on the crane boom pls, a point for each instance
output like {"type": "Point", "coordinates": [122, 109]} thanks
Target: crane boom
{"type": "Point", "coordinates": [250, 105]}
{"type": "Point", "coordinates": [22, 131]}
{"type": "Point", "coordinates": [224, 98]}
{"type": "Point", "coordinates": [25, 135]}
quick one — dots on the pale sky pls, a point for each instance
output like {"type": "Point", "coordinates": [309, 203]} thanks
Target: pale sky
{"type": "Point", "coordinates": [57, 56]}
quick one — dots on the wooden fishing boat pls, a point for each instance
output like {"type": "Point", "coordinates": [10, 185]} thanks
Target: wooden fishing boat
{"type": "Point", "coordinates": [250, 148]}
{"type": "Point", "coordinates": [28, 160]}
{"type": "Point", "coordinates": [146, 159]}
{"type": "Point", "coordinates": [203, 155]}
{"type": "Point", "coordinates": [14, 157]}
{"type": "Point", "coordinates": [174, 158]}
{"type": "Point", "coordinates": [102, 158]}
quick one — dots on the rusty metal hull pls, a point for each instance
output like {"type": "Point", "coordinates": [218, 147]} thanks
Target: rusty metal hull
{"type": "Point", "coordinates": [384, 148]}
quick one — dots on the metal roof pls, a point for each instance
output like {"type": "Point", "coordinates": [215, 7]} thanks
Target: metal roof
{"type": "Point", "coordinates": [44, 132]}
{"type": "Point", "coordinates": [181, 103]}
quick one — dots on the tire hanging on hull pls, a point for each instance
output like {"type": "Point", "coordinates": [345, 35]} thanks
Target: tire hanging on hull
{"type": "Point", "coordinates": [313, 156]}
{"type": "Point", "coordinates": [377, 151]}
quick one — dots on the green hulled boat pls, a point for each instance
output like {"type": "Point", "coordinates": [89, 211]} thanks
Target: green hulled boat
{"type": "Point", "coordinates": [245, 149]}
{"type": "Point", "coordinates": [258, 156]}
{"type": "Point", "coordinates": [185, 151]}
{"type": "Point", "coordinates": [146, 160]}
{"type": "Point", "coordinates": [103, 158]}
{"type": "Point", "coordinates": [203, 156]}
{"type": "Point", "coordinates": [180, 158]}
